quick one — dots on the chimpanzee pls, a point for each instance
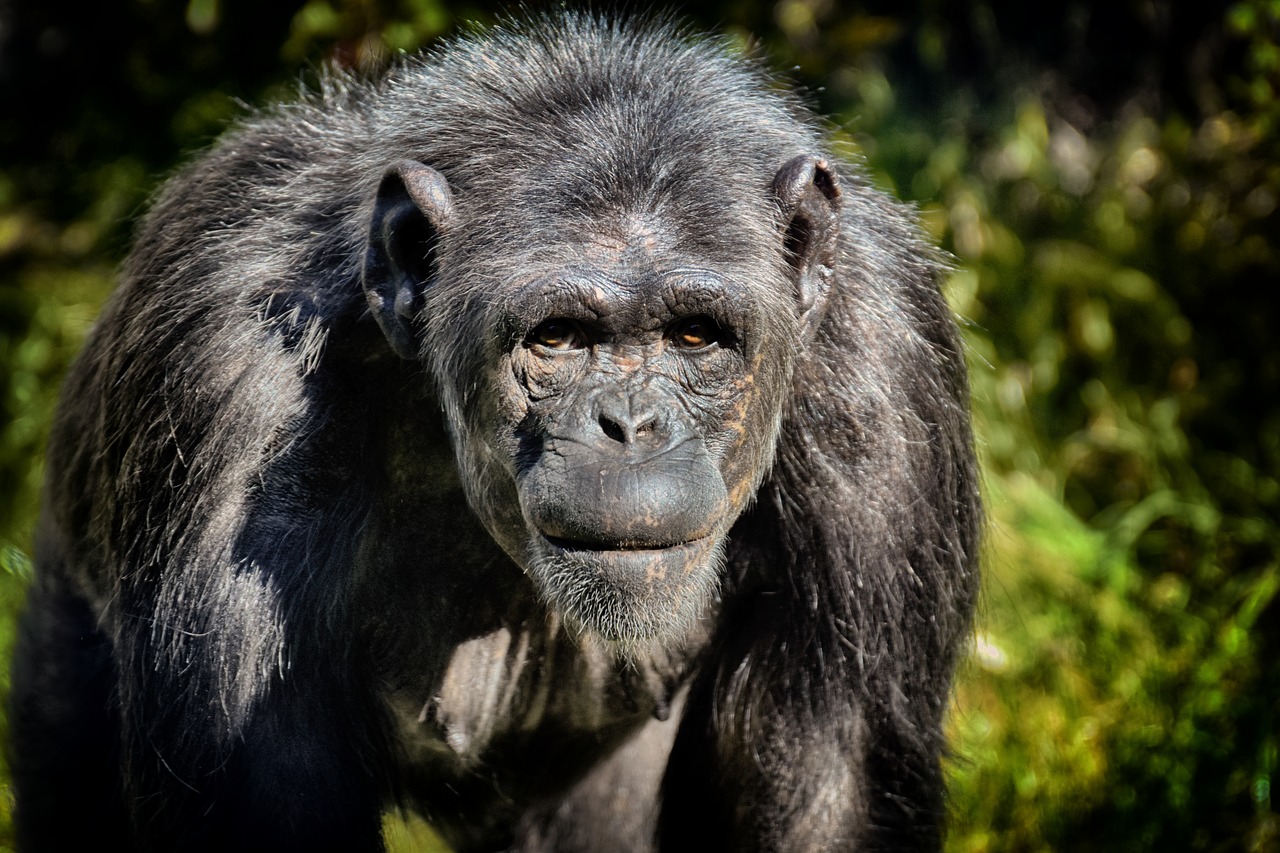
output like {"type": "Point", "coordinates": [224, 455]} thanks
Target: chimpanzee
{"type": "Point", "coordinates": [552, 437]}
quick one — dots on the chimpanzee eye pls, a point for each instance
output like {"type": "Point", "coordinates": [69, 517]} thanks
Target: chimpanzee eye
{"type": "Point", "coordinates": [695, 332]}
{"type": "Point", "coordinates": [558, 334]}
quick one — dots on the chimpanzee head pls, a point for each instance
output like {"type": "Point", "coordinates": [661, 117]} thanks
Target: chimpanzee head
{"type": "Point", "coordinates": [614, 383]}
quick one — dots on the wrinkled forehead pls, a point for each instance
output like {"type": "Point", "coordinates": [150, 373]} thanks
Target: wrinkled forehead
{"type": "Point", "coordinates": [626, 286]}
{"type": "Point", "coordinates": [612, 234]}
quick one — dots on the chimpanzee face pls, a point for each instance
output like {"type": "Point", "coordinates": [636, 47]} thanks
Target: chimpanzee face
{"type": "Point", "coordinates": [634, 422]}
{"type": "Point", "coordinates": [620, 396]}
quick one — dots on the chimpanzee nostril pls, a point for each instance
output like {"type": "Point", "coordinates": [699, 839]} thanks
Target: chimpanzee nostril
{"type": "Point", "coordinates": [613, 429]}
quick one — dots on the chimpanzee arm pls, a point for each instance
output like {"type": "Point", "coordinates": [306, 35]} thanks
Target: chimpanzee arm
{"type": "Point", "coordinates": [208, 488]}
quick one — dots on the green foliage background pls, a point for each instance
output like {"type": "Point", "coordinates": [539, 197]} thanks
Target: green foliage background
{"type": "Point", "coordinates": [1107, 178]}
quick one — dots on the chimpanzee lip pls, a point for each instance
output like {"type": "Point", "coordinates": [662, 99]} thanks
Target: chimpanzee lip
{"type": "Point", "coordinates": [573, 546]}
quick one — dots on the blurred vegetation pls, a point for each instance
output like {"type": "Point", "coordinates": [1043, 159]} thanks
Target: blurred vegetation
{"type": "Point", "coordinates": [1107, 177]}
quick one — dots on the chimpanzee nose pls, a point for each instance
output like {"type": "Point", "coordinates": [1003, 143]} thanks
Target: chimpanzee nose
{"type": "Point", "coordinates": [632, 421]}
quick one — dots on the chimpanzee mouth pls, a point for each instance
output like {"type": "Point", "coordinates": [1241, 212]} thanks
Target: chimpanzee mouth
{"type": "Point", "coordinates": [638, 547]}
{"type": "Point", "coordinates": [623, 559]}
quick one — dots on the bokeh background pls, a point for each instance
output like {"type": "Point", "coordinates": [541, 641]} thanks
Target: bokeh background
{"type": "Point", "coordinates": [1106, 175]}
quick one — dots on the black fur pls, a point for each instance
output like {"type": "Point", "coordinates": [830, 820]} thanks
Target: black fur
{"type": "Point", "coordinates": [285, 572]}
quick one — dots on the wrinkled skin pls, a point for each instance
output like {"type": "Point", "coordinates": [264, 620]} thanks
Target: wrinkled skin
{"type": "Point", "coordinates": [553, 438]}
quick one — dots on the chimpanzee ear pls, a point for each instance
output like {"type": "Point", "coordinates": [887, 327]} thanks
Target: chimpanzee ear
{"type": "Point", "coordinates": [808, 194]}
{"type": "Point", "coordinates": [413, 208]}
